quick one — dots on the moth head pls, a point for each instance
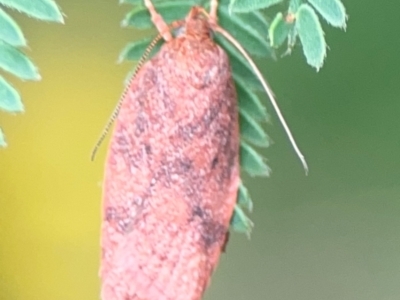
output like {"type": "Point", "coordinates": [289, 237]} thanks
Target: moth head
{"type": "Point", "coordinates": [196, 24]}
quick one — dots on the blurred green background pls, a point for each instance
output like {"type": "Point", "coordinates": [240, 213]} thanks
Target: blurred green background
{"type": "Point", "coordinates": [333, 235]}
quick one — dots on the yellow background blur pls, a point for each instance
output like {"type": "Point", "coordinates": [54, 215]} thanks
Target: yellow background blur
{"type": "Point", "coordinates": [333, 235]}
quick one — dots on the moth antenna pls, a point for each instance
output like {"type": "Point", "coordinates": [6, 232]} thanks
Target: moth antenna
{"type": "Point", "coordinates": [114, 114]}
{"type": "Point", "coordinates": [158, 21]}
{"type": "Point", "coordinates": [269, 92]}
{"type": "Point", "coordinates": [213, 11]}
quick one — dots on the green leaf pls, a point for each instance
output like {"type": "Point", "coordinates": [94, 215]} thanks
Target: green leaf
{"type": "Point", "coordinates": [10, 100]}
{"type": "Point", "coordinates": [292, 35]}
{"type": "Point", "coordinates": [247, 36]}
{"type": "Point", "coordinates": [255, 20]}
{"type": "Point", "coordinates": [294, 6]}
{"type": "Point", "coordinates": [243, 198]}
{"type": "Point", "coordinates": [251, 5]}
{"type": "Point", "coordinates": [17, 63]}
{"type": "Point", "coordinates": [139, 2]}
{"type": "Point", "coordinates": [279, 30]}
{"type": "Point", "coordinates": [251, 131]}
{"type": "Point", "coordinates": [135, 50]}
{"type": "Point", "coordinates": [139, 17]}
{"type": "Point", "coordinates": [240, 67]}
{"type": "Point", "coordinates": [249, 101]}
{"type": "Point", "coordinates": [2, 139]}
{"type": "Point", "coordinates": [252, 162]}
{"type": "Point", "coordinates": [332, 11]}
{"type": "Point", "coordinates": [311, 36]}
{"type": "Point", "coordinates": [10, 31]}
{"type": "Point", "coordinates": [46, 10]}
{"type": "Point", "coordinates": [292, 38]}
{"type": "Point", "coordinates": [240, 222]}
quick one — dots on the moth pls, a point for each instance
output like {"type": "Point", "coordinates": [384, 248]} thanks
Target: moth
{"type": "Point", "coordinates": [172, 170]}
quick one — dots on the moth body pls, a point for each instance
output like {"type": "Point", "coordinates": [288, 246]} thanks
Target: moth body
{"type": "Point", "coordinates": [172, 172]}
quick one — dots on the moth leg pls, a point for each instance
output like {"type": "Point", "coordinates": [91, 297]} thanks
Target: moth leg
{"type": "Point", "coordinates": [213, 12]}
{"type": "Point", "coordinates": [226, 240]}
{"type": "Point", "coordinates": [158, 21]}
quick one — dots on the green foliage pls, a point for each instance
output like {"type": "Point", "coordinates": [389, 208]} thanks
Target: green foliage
{"type": "Point", "coordinates": [301, 20]}
{"type": "Point", "coordinates": [251, 131]}
{"type": "Point", "coordinates": [12, 59]}
{"type": "Point", "coordinates": [240, 222]}
{"type": "Point", "coordinates": [244, 199]}
{"type": "Point", "coordinates": [256, 20]}
{"type": "Point", "coordinates": [134, 51]}
{"type": "Point", "coordinates": [252, 162]}
{"type": "Point", "coordinates": [279, 30]}
{"type": "Point", "coordinates": [46, 10]}
{"type": "Point", "coordinates": [248, 36]}
{"type": "Point", "coordinates": [139, 17]}
{"type": "Point", "coordinates": [10, 31]}
{"type": "Point", "coordinates": [245, 21]}
{"type": "Point", "coordinates": [251, 5]}
{"type": "Point", "coordinates": [311, 35]}
{"type": "Point", "coordinates": [10, 100]}
{"type": "Point", "coordinates": [17, 63]}
{"type": "Point", "coordinates": [249, 102]}
{"type": "Point", "coordinates": [332, 11]}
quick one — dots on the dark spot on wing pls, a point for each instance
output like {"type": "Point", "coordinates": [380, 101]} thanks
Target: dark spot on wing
{"type": "Point", "coordinates": [123, 217]}
{"type": "Point", "coordinates": [198, 211]}
{"type": "Point", "coordinates": [214, 162]}
{"type": "Point", "coordinates": [148, 149]}
{"type": "Point", "coordinates": [212, 232]}
{"type": "Point", "coordinates": [140, 124]}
